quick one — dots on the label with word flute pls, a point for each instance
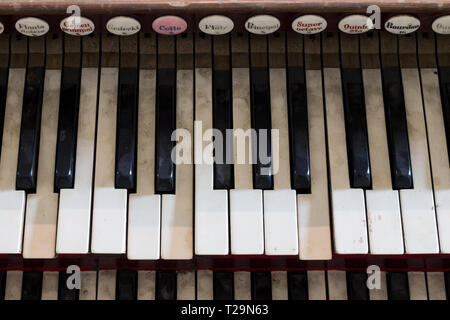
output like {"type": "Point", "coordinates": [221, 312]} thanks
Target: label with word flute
{"type": "Point", "coordinates": [442, 25]}
{"type": "Point", "coordinates": [309, 24]}
{"type": "Point", "coordinates": [169, 25]}
{"type": "Point", "coordinates": [402, 24]}
{"type": "Point", "coordinates": [216, 25]}
{"type": "Point", "coordinates": [355, 24]}
{"type": "Point", "coordinates": [262, 24]}
{"type": "Point", "coordinates": [123, 26]}
{"type": "Point", "coordinates": [32, 27]}
{"type": "Point", "coordinates": [77, 26]}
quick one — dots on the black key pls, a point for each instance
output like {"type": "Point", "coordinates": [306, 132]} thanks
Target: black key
{"type": "Point", "coordinates": [397, 285]}
{"type": "Point", "coordinates": [357, 286]}
{"type": "Point", "coordinates": [66, 144]}
{"type": "Point", "coordinates": [126, 136]}
{"type": "Point", "coordinates": [30, 129]}
{"type": "Point", "coordinates": [32, 285]}
{"type": "Point", "coordinates": [2, 284]}
{"type": "Point", "coordinates": [447, 284]}
{"type": "Point", "coordinates": [166, 285]}
{"type": "Point", "coordinates": [297, 285]}
{"type": "Point", "coordinates": [397, 130]}
{"type": "Point", "coordinates": [298, 130]}
{"type": "Point", "coordinates": [261, 286]}
{"type": "Point", "coordinates": [3, 92]}
{"type": "Point", "coordinates": [444, 80]}
{"type": "Point", "coordinates": [64, 293]}
{"type": "Point", "coordinates": [356, 128]}
{"type": "Point", "coordinates": [126, 285]}
{"type": "Point", "coordinates": [223, 285]}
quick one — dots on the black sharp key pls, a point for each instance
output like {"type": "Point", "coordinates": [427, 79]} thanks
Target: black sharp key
{"type": "Point", "coordinates": [32, 285]}
{"type": "Point", "coordinates": [165, 125]}
{"type": "Point", "coordinates": [30, 130]}
{"type": "Point", "coordinates": [356, 128]}
{"type": "Point", "coordinates": [357, 286]}
{"type": "Point", "coordinates": [223, 120]}
{"type": "Point", "coordinates": [447, 284]}
{"type": "Point", "coordinates": [126, 136]}
{"type": "Point", "coordinates": [297, 285]}
{"type": "Point", "coordinates": [397, 130]}
{"type": "Point", "coordinates": [67, 128]}
{"type": "Point", "coordinates": [261, 286]}
{"type": "Point", "coordinates": [126, 285]}
{"type": "Point", "coordinates": [298, 129]}
{"type": "Point", "coordinates": [166, 285]}
{"type": "Point", "coordinates": [2, 284]}
{"type": "Point", "coordinates": [397, 285]}
{"type": "Point", "coordinates": [444, 79]}
{"type": "Point", "coordinates": [223, 285]}
{"type": "Point", "coordinates": [64, 293]}
{"type": "Point", "coordinates": [3, 91]}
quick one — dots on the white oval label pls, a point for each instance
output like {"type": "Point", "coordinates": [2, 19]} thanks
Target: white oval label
{"type": "Point", "coordinates": [31, 26]}
{"type": "Point", "coordinates": [262, 24]}
{"type": "Point", "coordinates": [2, 28]}
{"type": "Point", "coordinates": [355, 24]}
{"type": "Point", "coordinates": [77, 26]}
{"type": "Point", "coordinates": [123, 26]}
{"type": "Point", "coordinates": [402, 24]}
{"type": "Point", "coordinates": [309, 24]}
{"type": "Point", "coordinates": [216, 25]}
{"type": "Point", "coordinates": [442, 25]}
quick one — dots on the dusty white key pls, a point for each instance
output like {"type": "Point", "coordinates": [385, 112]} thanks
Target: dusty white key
{"type": "Point", "coordinates": [246, 210]}
{"type": "Point", "coordinates": [109, 216]}
{"type": "Point", "coordinates": [211, 206]}
{"type": "Point", "coordinates": [383, 205]}
{"type": "Point", "coordinates": [106, 288]}
{"type": "Point", "coordinates": [144, 209]}
{"type": "Point", "coordinates": [381, 292]}
{"type": "Point", "coordinates": [88, 289]}
{"type": "Point", "coordinates": [418, 214]}
{"type": "Point", "coordinates": [205, 285]}
{"type": "Point", "coordinates": [42, 207]}
{"type": "Point", "coordinates": [242, 285]}
{"type": "Point", "coordinates": [13, 288]}
{"type": "Point", "coordinates": [439, 158]}
{"type": "Point", "coordinates": [316, 285]}
{"type": "Point", "coordinates": [279, 285]}
{"type": "Point", "coordinates": [177, 210]}
{"type": "Point", "coordinates": [314, 232]}
{"type": "Point", "coordinates": [348, 205]}
{"type": "Point", "coordinates": [12, 202]}
{"type": "Point", "coordinates": [436, 286]}
{"type": "Point", "coordinates": [146, 285]}
{"type": "Point", "coordinates": [74, 216]}
{"type": "Point", "coordinates": [50, 285]}
{"type": "Point", "coordinates": [337, 285]}
{"type": "Point", "coordinates": [417, 286]}
{"type": "Point", "coordinates": [186, 285]}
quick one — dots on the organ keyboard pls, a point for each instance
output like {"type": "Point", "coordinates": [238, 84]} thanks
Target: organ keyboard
{"type": "Point", "coordinates": [226, 156]}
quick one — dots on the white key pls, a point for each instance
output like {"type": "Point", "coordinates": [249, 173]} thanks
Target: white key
{"type": "Point", "coordinates": [436, 286]}
{"type": "Point", "coordinates": [74, 217]}
{"type": "Point", "coordinates": [314, 232]}
{"type": "Point", "coordinates": [348, 205]}
{"type": "Point", "coordinates": [439, 158]}
{"type": "Point", "coordinates": [419, 218]}
{"type": "Point", "coordinates": [106, 285]}
{"type": "Point", "coordinates": [381, 293]}
{"type": "Point", "coordinates": [383, 205]}
{"type": "Point", "coordinates": [13, 288]}
{"type": "Point", "coordinates": [316, 285]}
{"type": "Point", "coordinates": [242, 285]}
{"type": "Point", "coordinates": [144, 209]}
{"type": "Point", "coordinates": [88, 289]}
{"type": "Point", "coordinates": [109, 217]}
{"type": "Point", "coordinates": [42, 207]}
{"type": "Point", "coordinates": [205, 285]}
{"type": "Point", "coordinates": [337, 285]}
{"type": "Point", "coordinates": [50, 285]}
{"type": "Point", "coordinates": [177, 210]}
{"type": "Point", "coordinates": [186, 285]}
{"type": "Point", "coordinates": [417, 286]}
{"type": "Point", "coordinates": [279, 285]}
{"type": "Point", "coordinates": [12, 202]}
{"type": "Point", "coordinates": [146, 285]}
{"type": "Point", "coordinates": [211, 206]}
{"type": "Point", "coordinates": [246, 210]}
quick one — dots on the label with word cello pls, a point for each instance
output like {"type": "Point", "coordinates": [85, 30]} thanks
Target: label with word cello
{"type": "Point", "coordinates": [402, 24]}
{"type": "Point", "coordinates": [309, 24]}
{"type": "Point", "coordinates": [216, 25]}
{"type": "Point", "coordinates": [442, 25]}
{"type": "Point", "coordinates": [77, 26]}
{"type": "Point", "coordinates": [123, 26]}
{"type": "Point", "coordinates": [262, 24]}
{"type": "Point", "coordinates": [32, 27]}
{"type": "Point", "coordinates": [169, 25]}
{"type": "Point", "coordinates": [355, 24]}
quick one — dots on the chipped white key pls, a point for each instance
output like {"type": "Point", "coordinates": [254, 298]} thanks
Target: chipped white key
{"type": "Point", "coordinates": [74, 216]}
{"type": "Point", "coordinates": [109, 216]}
{"type": "Point", "coordinates": [12, 202]}
{"type": "Point", "coordinates": [348, 205]}
{"type": "Point", "coordinates": [337, 285]}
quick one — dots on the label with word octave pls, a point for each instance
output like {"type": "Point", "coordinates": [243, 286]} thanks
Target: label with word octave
{"type": "Point", "coordinates": [32, 27]}
{"type": "Point", "coordinates": [402, 24]}
{"type": "Point", "coordinates": [262, 24]}
{"type": "Point", "coordinates": [77, 26]}
{"type": "Point", "coordinates": [216, 25]}
{"type": "Point", "coordinates": [123, 26]}
{"type": "Point", "coordinates": [442, 25]}
{"type": "Point", "coordinates": [2, 28]}
{"type": "Point", "coordinates": [169, 25]}
{"type": "Point", "coordinates": [309, 24]}
{"type": "Point", "coordinates": [355, 24]}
